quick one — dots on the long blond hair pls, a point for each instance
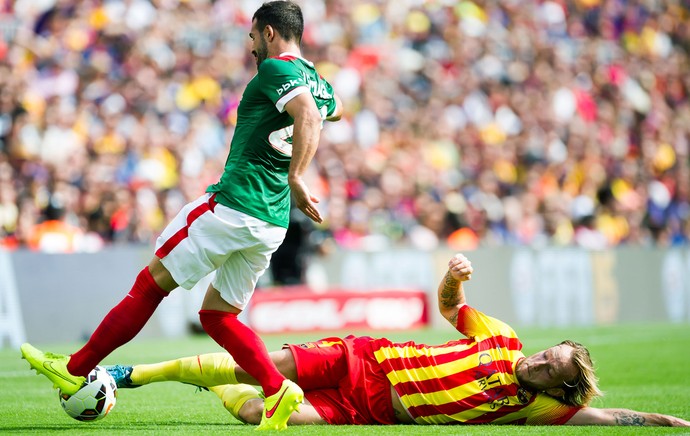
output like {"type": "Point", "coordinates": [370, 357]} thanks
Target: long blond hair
{"type": "Point", "coordinates": [582, 390]}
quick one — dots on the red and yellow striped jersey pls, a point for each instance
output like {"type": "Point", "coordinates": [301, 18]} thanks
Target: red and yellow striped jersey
{"type": "Point", "coordinates": [468, 381]}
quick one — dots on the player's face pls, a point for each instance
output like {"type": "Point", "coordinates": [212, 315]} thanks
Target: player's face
{"type": "Point", "coordinates": [259, 46]}
{"type": "Point", "coordinates": [548, 369]}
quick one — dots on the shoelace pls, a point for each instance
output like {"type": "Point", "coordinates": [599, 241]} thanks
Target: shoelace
{"type": "Point", "coordinates": [50, 355]}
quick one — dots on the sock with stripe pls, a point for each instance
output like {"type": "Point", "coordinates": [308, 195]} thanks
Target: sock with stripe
{"type": "Point", "coordinates": [207, 370]}
{"type": "Point", "coordinates": [246, 347]}
{"type": "Point", "coordinates": [120, 325]}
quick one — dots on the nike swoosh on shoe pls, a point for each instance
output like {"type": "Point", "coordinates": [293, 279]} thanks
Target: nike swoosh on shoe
{"type": "Point", "coordinates": [49, 366]}
{"type": "Point", "coordinates": [272, 410]}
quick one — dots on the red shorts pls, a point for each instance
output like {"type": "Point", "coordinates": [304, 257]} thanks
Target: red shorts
{"type": "Point", "coordinates": [343, 381]}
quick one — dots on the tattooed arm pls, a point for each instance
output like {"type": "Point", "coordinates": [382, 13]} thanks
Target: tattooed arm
{"type": "Point", "coordinates": [593, 416]}
{"type": "Point", "coordinates": [451, 296]}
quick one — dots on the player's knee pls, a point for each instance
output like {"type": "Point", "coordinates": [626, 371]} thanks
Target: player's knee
{"type": "Point", "coordinates": [252, 410]}
{"type": "Point", "coordinates": [161, 275]}
{"type": "Point", "coordinates": [209, 323]}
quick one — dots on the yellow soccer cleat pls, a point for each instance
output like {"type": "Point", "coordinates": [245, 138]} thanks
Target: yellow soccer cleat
{"type": "Point", "coordinates": [235, 396]}
{"type": "Point", "coordinates": [279, 406]}
{"type": "Point", "coordinates": [53, 366]}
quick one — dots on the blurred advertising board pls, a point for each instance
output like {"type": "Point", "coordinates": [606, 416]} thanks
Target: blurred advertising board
{"type": "Point", "coordinates": [298, 309]}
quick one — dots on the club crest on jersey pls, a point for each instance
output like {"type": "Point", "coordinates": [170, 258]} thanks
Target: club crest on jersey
{"type": "Point", "coordinates": [523, 396]}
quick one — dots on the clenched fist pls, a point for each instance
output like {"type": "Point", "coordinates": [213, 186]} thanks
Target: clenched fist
{"type": "Point", "coordinates": [460, 268]}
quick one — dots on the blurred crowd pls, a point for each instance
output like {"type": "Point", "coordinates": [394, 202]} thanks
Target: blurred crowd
{"type": "Point", "coordinates": [468, 123]}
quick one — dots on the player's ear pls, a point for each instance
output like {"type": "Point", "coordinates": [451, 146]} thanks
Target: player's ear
{"type": "Point", "coordinates": [556, 392]}
{"type": "Point", "coordinates": [269, 32]}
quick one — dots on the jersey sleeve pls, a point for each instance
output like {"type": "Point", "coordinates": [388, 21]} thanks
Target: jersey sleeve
{"type": "Point", "coordinates": [328, 99]}
{"type": "Point", "coordinates": [475, 324]}
{"type": "Point", "coordinates": [281, 81]}
{"type": "Point", "coordinates": [546, 410]}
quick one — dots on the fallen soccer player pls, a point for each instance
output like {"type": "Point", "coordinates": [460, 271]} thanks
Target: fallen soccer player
{"type": "Point", "coordinates": [481, 379]}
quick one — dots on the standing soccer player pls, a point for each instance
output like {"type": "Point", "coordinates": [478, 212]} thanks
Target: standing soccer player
{"type": "Point", "coordinates": [237, 225]}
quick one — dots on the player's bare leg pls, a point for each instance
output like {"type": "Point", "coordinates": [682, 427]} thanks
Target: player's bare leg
{"type": "Point", "coordinates": [282, 359]}
{"type": "Point", "coordinates": [248, 407]}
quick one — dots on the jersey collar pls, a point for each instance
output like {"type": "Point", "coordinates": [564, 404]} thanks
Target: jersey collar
{"type": "Point", "coordinates": [287, 53]}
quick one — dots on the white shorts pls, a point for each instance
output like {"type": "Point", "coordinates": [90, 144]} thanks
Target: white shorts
{"type": "Point", "coordinates": [207, 236]}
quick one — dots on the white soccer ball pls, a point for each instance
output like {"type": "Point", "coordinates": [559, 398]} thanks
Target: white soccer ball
{"type": "Point", "coordinates": [93, 401]}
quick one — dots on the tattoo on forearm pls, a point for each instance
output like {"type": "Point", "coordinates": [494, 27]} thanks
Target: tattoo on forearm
{"type": "Point", "coordinates": [629, 418]}
{"type": "Point", "coordinates": [453, 319]}
{"type": "Point", "coordinates": [449, 294]}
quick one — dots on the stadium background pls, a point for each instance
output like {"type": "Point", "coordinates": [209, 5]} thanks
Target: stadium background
{"type": "Point", "coordinates": [501, 122]}
{"type": "Point", "coordinates": [548, 139]}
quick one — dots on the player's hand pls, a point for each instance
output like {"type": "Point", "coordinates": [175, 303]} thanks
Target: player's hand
{"type": "Point", "coordinates": [304, 200]}
{"type": "Point", "coordinates": [677, 422]}
{"type": "Point", "coordinates": [460, 268]}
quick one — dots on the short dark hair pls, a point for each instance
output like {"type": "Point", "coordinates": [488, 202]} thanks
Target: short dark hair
{"type": "Point", "coordinates": [284, 16]}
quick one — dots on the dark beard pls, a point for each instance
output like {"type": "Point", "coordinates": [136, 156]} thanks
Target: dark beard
{"type": "Point", "coordinates": [261, 53]}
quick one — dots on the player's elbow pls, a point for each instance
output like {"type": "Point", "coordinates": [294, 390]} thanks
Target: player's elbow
{"type": "Point", "coordinates": [450, 313]}
{"type": "Point", "coordinates": [308, 114]}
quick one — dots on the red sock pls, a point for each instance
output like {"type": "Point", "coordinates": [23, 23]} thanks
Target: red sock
{"type": "Point", "coordinates": [120, 325]}
{"type": "Point", "coordinates": [244, 345]}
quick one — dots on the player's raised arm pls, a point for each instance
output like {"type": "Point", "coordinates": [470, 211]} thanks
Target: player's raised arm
{"type": "Point", "coordinates": [451, 296]}
{"type": "Point", "coordinates": [305, 140]}
{"type": "Point", "coordinates": [594, 416]}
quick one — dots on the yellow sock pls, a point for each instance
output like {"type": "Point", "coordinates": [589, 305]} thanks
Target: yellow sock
{"type": "Point", "coordinates": [235, 396]}
{"type": "Point", "coordinates": [202, 370]}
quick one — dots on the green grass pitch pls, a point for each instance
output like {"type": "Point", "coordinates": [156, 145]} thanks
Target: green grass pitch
{"type": "Point", "coordinates": [641, 367]}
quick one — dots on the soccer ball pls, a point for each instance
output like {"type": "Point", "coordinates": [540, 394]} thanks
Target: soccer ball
{"type": "Point", "coordinates": [94, 400]}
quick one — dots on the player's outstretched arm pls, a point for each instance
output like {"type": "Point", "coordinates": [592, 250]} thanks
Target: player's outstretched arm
{"type": "Point", "coordinates": [451, 295]}
{"type": "Point", "coordinates": [594, 416]}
